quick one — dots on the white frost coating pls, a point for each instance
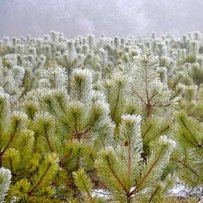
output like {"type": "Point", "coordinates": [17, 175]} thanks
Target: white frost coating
{"type": "Point", "coordinates": [165, 140]}
{"type": "Point", "coordinates": [81, 85]}
{"type": "Point", "coordinates": [56, 77]}
{"type": "Point", "coordinates": [5, 178]}
{"type": "Point", "coordinates": [132, 118]}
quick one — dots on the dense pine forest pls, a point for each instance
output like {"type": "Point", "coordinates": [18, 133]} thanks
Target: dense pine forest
{"type": "Point", "coordinates": [101, 119]}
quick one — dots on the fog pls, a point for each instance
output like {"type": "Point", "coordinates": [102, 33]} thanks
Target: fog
{"type": "Point", "coordinates": [111, 17]}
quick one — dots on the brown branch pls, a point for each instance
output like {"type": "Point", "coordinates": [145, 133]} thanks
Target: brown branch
{"type": "Point", "coordinates": [149, 171]}
{"type": "Point", "coordinates": [66, 156]}
{"type": "Point", "coordinates": [84, 132]}
{"type": "Point", "coordinates": [129, 161]}
{"type": "Point", "coordinates": [64, 111]}
{"type": "Point", "coordinates": [140, 97]}
{"type": "Point", "coordinates": [88, 193]}
{"type": "Point", "coordinates": [148, 129]}
{"type": "Point", "coordinates": [160, 132]}
{"type": "Point", "coordinates": [90, 171]}
{"type": "Point", "coordinates": [116, 177]}
{"type": "Point", "coordinates": [6, 147]}
{"type": "Point", "coordinates": [186, 166]}
{"type": "Point", "coordinates": [150, 99]}
{"type": "Point", "coordinates": [49, 143]}
{"type": "Point", "coordinates": [149, 109]}
{"type": "Point", "coordinates": [40, 180]}
{"type": "Point", "coordinates": [189, 141]}
{"type": "Point", "coordinates": [153, 194]}
{"type": "Point", "coordinates": [184, 124]}
{"type": "Point", "coordinates": [163, 130]}
{"type": "Point", "coordinates": [76, 128]}
{"type": "Point", "coordinates": [47, 138]}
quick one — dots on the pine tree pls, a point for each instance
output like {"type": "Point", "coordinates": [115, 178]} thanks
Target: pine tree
{"type": "Point", "coordinates": [135, 174]}
{"type": "Point", "coordinates": [82, 114]}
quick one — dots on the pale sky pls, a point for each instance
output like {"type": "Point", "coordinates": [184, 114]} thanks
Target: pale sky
{"type": "Point", "coordinates": [111, 17]}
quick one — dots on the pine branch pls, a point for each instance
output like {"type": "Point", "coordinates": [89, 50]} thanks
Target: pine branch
{"type": "Point", "coordinates": [194, 144]}
{"type": "Point", "coordinates": [148, 129]}
{"type": "Point", "coordinates": [8, 144]}
{"type": "Point", "coordinates": [186, 166]}
{"type": "Point", "coordinates": [142, 180]}
{"type": "Point", "coordinates": [5, 178]}
{"type": "Point", "coordinates": [129, 161]}
{"type": "Point", "coordinates": [192, 135]}
{"type": "Point", "coordinates": [116, 177]}
{"type": "Point", "coordinates": [146, 82]}
{"type": "Point", "coordinates": [140, 97]}
{"type": "Point", "coordinates": [32, 189]}
{"type": "Point", "coordinates": [116, 102]}
{"type": "Point", "coordinates": [153, 194]}
{"type": "Point", "coordinates": [49, 143]}
{"type": "Point", "coordinates": [65, 156]}
{"type": "Point", "coordinates": [83, 183]}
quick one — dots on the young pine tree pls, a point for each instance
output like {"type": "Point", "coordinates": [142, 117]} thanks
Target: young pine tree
{"type": "Point", "coordinates": [125, 173]}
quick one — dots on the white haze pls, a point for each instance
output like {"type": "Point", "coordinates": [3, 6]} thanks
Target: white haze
{"type": "Point", "coordinates": [112, 17]}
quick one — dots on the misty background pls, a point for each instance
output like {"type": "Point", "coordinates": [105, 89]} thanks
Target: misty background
{"type": "Point", "coordinates": [111, 17]}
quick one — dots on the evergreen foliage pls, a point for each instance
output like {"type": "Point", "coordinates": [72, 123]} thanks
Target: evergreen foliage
{"type": "Point", "coordinates": [5, 178]}
{"type": "Point", "coordinates": [84, 116]}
